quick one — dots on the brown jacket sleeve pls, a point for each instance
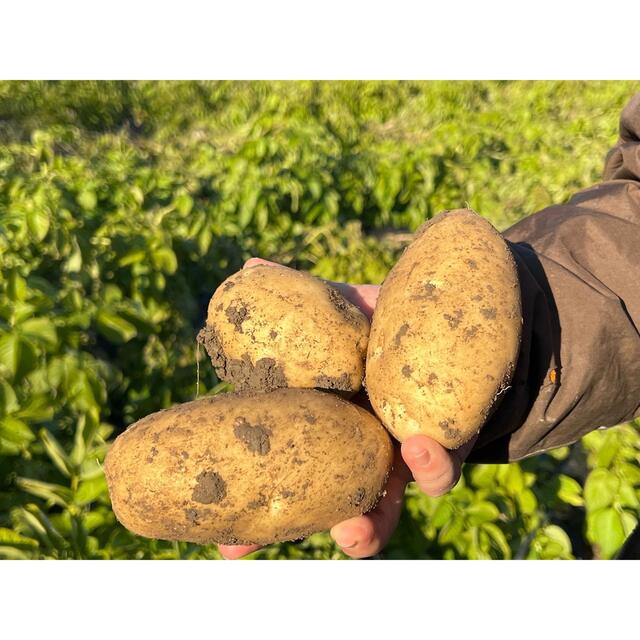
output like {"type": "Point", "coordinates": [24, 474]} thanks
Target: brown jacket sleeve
{"type": "Point", "coordinates": [579, 268]}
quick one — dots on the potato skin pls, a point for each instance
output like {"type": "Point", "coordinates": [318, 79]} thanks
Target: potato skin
{"type": "Point", "coordinates": [271, 327]}
{"type": "Point", "coordinates": [445, 335]}
{"type": "Point", "coordinates": [248, 468]}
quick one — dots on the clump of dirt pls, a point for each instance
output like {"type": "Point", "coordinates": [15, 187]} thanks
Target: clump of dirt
{"type": "Point", "coordinates": [402, 331]}
{"type": "Point", "coordinates": [256, 437]}
{"type": "Point", "coordinates": [489, 313]}
{"type": "Point", "coordinates": [192, 517]}
{"type": "Point", "coordinates": [344, 307]}
{"type": "Point", "coordinates": [339, 383]}
{"type": "Point", "coordinates": [357, 498]}
{"type": "Point", "coordinates": [265, 375]}
{"type": "Point", "coordinates": [237, 315]}
{"type": "Point", "coordinates": [210, 488]}
{"type": "Point", "coordinates": [454, 320]}
{"type": "Point", "coordinates": [449, 432]}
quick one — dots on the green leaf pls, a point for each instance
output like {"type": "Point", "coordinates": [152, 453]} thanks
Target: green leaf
{"type": "Point", "coordinates": [43, 527]}
{"type": "Point", "coordinates": [38, 408]}
{"type": "Point", "coordinates": [12, 553]}
{"type": "Point", "coordinates": [527, 501]}
{"type": "Point", "coordinates": [86, 430]}
{"type": "Point", "coordinates": [608, 450]}
{"type": "Point", "coordinates": [247, 207]}
{"type": "Point", "coordinates": [114, 327]}
{"type": "Point", "coordinates": [629, 522]}
{"type": "Point", "coordinates": [87, 199]}
{"type": "Point", "coordinates": [514, 480]}
{"type": "Point", "coordinates": [183, 203]}
{"type": "Point", "coordinates": [56, 453]}
{"type": "Point", "coordinates": [53, 493]}
{"type": "Point", "coordinates": [10, 350]}
{"type": "Point", "coordinates": [570, 491]}
{"type": "Point", "coordinates": [496, 534]}
{"type": "Point", "coordinates": [559, 536]}
{"type": "Point", "coordinates": [133, 257]}
{"type": "Point", "coordinates": [451, 531]}
{"type": "Point", "coordinates": [8, 400]}
{"type": "Point", "coordinates": [16, 287]}
{"type": "Point", "coordinates": [442, 514]}
{"type": "Point", "coordinates": [165, 259]}
{"type": "Point", "coordinates": [15, 435]}
{"type": "Point", "coordinates": [38, 223]}
{"type": "Point", "coordinates": [482, 512]}
{"type": "Point", "coordinates": [91, 490]}
{"type": "Point", "coordinates": [41, 330]}
{"type": "Point", "coordinates": [607, 531]}
{"type": "Point", "coordinates": [600, 489]}
{"type": "Point", "coordinates": [628, 496]}
{"type": "Point", "coordinates": [630, 472]}
{"type": "Point", "coordinates": [74, 261]}
{"type": "Point", "coordinates": [483, 475]}
{"type": "Point", "coordinates": [111, 293]}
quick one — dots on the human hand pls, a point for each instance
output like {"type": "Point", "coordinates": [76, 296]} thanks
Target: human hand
{"type": "Point", "coordinates": [435, 469]}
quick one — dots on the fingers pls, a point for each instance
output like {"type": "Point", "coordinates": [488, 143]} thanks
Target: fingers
{"type": "Point", "coordinates": [435, 469]}
{"type": "Point", "coordinates": [254, 262]}
{"type": "Point", "coordinates": [235, 551]}
{"type": "Point", "coordinates": [366, 535]}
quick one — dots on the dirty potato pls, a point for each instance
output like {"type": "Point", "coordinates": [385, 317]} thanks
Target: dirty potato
{"type": "Point", "coordinates": [446, 331]}
{"type": "Point", "coordinates": [270, 327]}
{"type": "Point", "coordinates": [248, 468]}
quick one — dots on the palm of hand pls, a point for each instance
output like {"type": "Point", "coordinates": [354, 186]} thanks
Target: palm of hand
{"type": "Point", "coordinates": [435, 469]}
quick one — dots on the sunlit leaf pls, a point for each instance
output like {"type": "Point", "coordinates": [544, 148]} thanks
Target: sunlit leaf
{"type": "Point", "coordinates": [38, 223]}
{"type": "Point", "coordinates": [114, 327]}
{"type": "Point", "coordinates": [56, 452]}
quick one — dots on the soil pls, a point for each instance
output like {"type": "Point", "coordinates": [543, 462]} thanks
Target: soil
{"type": "Point", "coordinates": [344, 307]}
{"type": "Point", "coordinates": [341, 383]}
{"type": "Point", "coordinates": [449, 432]}
{"type": "Point", "coordinates": [454, 320]}
{"type": "Point", "coordinates": [237, 315]}
{"type": "Point", "coordinates": [265, 375]}
{"type": "Point", "coordinates": [256, 437]}
{"type": "Point", "coordinates": [401, 333]}
{"type": "Point", "coordinates": [210, 488]}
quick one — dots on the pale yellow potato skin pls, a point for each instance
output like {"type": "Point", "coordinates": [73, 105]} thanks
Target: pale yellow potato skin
{"type": "Point", "coordinates": [250, 468]}
{"type": "Point", "coordinates": [446, 331]}
{"type": "Point", "coordinates": [270, 327]}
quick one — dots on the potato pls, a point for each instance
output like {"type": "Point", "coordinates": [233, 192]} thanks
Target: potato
{"type": "Point", "coordinates": [248, 467]}
{"type": "Point", "coordinates": [445, 335]}
{"type": "Point", "coordinates": [271, 327]}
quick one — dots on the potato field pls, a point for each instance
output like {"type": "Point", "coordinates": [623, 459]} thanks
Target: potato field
{"type": "Point", "coordinates": [124, 205]}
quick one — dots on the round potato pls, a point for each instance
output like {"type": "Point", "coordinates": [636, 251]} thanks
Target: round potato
{"type": "Point", "coordinates": [445, 335]}
{"type": "Point", "coordinates": [271, 327]}
{"type": "Point", "coordinates": [248, 468]}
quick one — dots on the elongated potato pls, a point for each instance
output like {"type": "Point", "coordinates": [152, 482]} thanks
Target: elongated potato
{"type": "Point", "coordinates": [248, 468]}
{"type": "Point", "coordinates": [445, 335]}
{"type": "Point", "coordinates": [270, 327]}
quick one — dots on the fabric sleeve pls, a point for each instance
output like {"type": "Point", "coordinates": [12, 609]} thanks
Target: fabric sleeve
{"type": "Point", "coordinates": [579, 269]}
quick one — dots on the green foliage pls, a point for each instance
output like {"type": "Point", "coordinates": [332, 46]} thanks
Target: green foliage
{"type": "Point", "coordinates": [124, 205]}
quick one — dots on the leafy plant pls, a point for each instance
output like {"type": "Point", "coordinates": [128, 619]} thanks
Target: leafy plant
{"type": "Point", "coordinates": [123, 205]}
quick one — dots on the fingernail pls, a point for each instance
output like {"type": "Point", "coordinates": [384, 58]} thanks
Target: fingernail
{"type": "Point", "coordinates": [422, 458]}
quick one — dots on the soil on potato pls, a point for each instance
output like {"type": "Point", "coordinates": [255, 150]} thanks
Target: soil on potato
{"type": "Point", "coordinates": [265, 375]}
{"type": "Point", "coordinates": [345, 308]}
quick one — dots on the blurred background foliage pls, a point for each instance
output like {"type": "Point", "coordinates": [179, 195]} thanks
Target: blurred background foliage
{"type": "Point", "coordinates": [123, 205]}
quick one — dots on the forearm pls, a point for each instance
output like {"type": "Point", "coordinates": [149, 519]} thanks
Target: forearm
{"type": "Point", "coordinates": [579, 268]}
